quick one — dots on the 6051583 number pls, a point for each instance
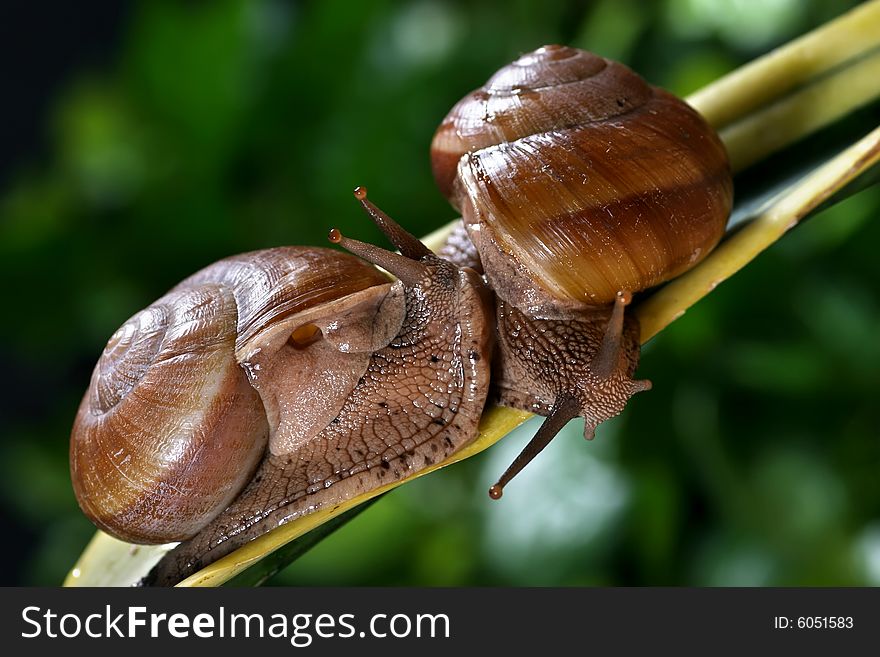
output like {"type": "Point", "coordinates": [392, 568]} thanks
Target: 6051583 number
{"type": "Point", "coordinates": [813, 622]}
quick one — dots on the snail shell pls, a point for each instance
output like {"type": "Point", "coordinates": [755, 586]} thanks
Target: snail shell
{"type": "Point", "coordinates": [576, 179]}
{"type": "Point", "coordinates": [172, 429]}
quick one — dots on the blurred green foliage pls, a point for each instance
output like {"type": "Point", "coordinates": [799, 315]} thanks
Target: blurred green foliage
{"type": "Point", "coordinates": [228, 126]}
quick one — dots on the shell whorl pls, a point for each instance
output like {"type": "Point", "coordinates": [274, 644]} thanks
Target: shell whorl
{"type": "Point", "coordinates": [552, 88]}
{"type": "Point", "coordinates": [169, 431]}
{"type": "Point", "coordinates": [171, 428]}
{"type": "Point", "coordinates": [274, 284]}
{"type": "Point", "coordinates": [577, 179]}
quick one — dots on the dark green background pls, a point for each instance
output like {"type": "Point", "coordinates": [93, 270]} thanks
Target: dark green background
{"type": "Point", "coordinates": [208, 129]}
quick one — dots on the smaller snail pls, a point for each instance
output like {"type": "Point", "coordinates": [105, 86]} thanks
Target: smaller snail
{"type": "Point", "coordinates": [277, 382]}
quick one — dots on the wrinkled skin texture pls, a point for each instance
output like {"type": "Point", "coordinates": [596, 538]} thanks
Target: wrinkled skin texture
{"type": "Point", "coordinates": [419, 401]}
{"type": "Point", "coordinates": [540, 360]}
{"type": "Point", "coordinates": [460, 250]}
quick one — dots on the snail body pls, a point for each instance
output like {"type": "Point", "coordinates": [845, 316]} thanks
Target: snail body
{"type": "Point", "coordinates": [314, 377]}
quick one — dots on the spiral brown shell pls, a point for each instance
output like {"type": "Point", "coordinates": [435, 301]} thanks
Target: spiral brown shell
{"type": "Point", "coordinates": [170, 429]}
{"type": "Point", "coordinates": [577, 179]}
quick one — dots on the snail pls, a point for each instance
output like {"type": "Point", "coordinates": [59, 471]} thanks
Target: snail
{"type": "Point", "coordinates": [579, 184]}
{"type": "Point", "coordinates": [277, 382]}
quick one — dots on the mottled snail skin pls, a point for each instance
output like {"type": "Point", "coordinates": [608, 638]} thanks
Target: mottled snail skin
{"type": "Point", "coordinates": [578, 184]}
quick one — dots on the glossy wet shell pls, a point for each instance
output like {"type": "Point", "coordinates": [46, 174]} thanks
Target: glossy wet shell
{"type": "Point", "coordinates": [171, 430]}
{"type": "Point", "coordinates": [273, 284]}
{"type": "Point", "coordinates": [577, 179]}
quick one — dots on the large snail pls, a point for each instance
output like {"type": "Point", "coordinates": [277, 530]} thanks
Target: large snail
{"type": "Point", "coordinates": [276, 382]}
